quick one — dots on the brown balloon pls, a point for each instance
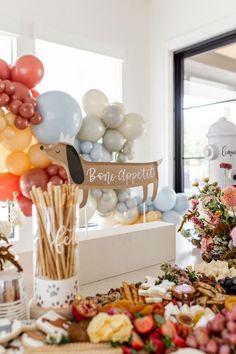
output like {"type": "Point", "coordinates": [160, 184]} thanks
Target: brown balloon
{"type": "Point", "coordinates": [37, 177]}
{"type": "Point", "coordinates": [9, 87]}
{"type": "Point", "coordinates": [36, 119]}
{"type": "Point", "coordinates": [4, 99]}
{"type": "Point", "coordinates": [21, 123]}
{"type": "Point", "coordinates": [30, 100]}
{"type": "Point", "coordinates": [21, 91]}
{"type": "Point", "coordinates": [62, 173]}
{"type": "Point", "coordinates": [56, 180]}
{"type": "Point", "coordinates": [52, 170]}
{"type": "Point", "coordinates": [14, 106]}
{"type": "Point", "coordinates": [26, 110]}
{"type": "Point", "coordinates": [2, 86]}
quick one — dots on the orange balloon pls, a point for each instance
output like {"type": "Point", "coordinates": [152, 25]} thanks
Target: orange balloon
{"type": "Point", "coordinates": [37, 157]}
{"type": "Point", "coordinates": [9, 184]}
{"type": "Point", "coordinates": [3, 122]}
{"type": "Point", "coordinates": [8, 133]}
{"type": "Point", "coordinates": [20, 140]}
{"type": "Point", "coordinates": [18, 163]}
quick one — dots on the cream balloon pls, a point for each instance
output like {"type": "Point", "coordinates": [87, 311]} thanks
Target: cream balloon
{"type": "Point", "coordinates": [10, 117]}
{"type": "Point", "coordinates": [18, 163]}
{"type": "Point", "coordinates": [133, 126]}
{"type": "Point", "coordinates": [20, 140]}
{"type": "Point", "coordinates": [87, 212]}
{"type": "Point", "coordinates": [113, 140]}
{"type": "Point", "coordinates": [94, 101]}
{"type": "Point", "coordinates": [3, 122]}
{"type": "Point", "coordinates": [8, 133]}
{"type": "Point", "coordinates": [3, 156]}
{"type": "Point", "coordinates": [92, 129]}
{"type": "Point", "coordinates": [37, 157]}
{"type": "Point", "coordinates": [2, 113]}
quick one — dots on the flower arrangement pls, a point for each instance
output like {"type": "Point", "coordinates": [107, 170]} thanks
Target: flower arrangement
{"type": "Point", "coordinates": [210, 224]}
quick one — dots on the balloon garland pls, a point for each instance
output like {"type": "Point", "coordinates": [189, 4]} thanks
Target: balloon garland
{"type": "Point", "coordinates": [106, 133]}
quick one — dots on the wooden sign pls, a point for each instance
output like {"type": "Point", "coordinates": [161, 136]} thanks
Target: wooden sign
{"type": "Point", "coordinates": [102, 175]}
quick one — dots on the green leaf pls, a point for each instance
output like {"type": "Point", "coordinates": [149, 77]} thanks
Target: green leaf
{"type": "Point", "coordinates": [168, 341]}
{"type": "Point", "coordinates": [115, 344]}
{"type": "Point", "coordinates": [159, 319]}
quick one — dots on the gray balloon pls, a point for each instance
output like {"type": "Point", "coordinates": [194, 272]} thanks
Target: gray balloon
{"type": "Point", "coordinates": [113, 140]}
{"type": "Point", "coordinates": [92, 129]}
{"type": "Point", "coordinates": [113, 116]}
{"type": "Point", "coordinates": [107, 202]}
{"type": "Point", "coordinates": [61, 114]}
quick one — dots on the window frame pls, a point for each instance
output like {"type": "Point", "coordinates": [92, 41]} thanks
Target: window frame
{"type": "Point", "coordinates": [178, 66]}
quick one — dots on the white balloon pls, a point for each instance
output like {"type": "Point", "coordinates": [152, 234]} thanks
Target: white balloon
{"type": "Point", "coordinates": [133, 126]}
{"type": "Point", "coordinates": [121, 157]}
{"type": "Point", "coordinates": [113, 140]}
{"type": "Point", "coordinates": [107, 202]}
{"type": "Point", "coordinates": [88, 210]}
{"type": "Point", "coordinates": [96, 193]}
{"type": "Point", "coordinates": [128, 147]}
{"type": "Point", "coordinates": [92, 129]}
{"type": "Point", "coordinates": [119, 104]}
{"type": "Point", "coordinates": [94, 101]}
{"type": "Point", "coordinates": [113, 116]}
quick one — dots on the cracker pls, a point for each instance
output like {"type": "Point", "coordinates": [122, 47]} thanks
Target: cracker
{"type": "Point", "coordinates": [127, 292]}
{"type": "Point", "coordinates": [134, 293]}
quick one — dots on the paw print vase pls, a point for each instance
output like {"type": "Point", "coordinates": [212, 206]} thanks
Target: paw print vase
{"type": "Point", "coordinates": [56, 258]}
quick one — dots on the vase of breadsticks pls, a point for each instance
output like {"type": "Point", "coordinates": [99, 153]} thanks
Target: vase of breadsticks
{"type": "Point", "coordinates": [56, 268]}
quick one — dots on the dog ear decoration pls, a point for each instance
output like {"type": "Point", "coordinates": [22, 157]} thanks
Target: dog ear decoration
{"type": "Point", "coordinates": [102, 175]}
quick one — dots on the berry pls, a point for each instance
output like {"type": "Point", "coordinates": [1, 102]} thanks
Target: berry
{"type": "Point", "coordinates": [179, 342]}
{"type": "Point", "coordinates": [136, 341]}
{"type": "Point", "coordinates": [144, 325]}
{"type": "Point", "coordinates": [168, 329]}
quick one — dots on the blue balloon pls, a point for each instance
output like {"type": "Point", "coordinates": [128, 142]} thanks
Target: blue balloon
{"type": "Point", "coordinates": [61, 114]}
{"type": "Point", "coordinates": [172, 217]}
{"type": "Point", "coordinates": [86, 157]}
{"type": "Point", "coordinates": [86, 147]}
{"type": "Point", "coordinates": [142, 207]}
{"type": "Point", "coordinates": [131, 203]}
{"type": "Point", "coordinates": [182, 203]}
{"type": "Point", "coordinates": [123, 195]}
{"type": "Point", "coordinates": [96, 153]}
{"type": "Point", "coordinates": [165, 199]}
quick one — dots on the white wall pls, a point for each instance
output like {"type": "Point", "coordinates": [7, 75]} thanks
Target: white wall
{"type": "Point", "coordinates": [174, 25]}
{"type": "Point", "coordinates": [115, 27]}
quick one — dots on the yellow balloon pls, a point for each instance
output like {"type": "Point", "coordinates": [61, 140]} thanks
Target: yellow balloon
{"type": "Point", "coordinates": [20, 140]}
{"type": "Point", "coordinates": [1, 112]}
{"type": "Point", "coordinates": [3, 122]}
{"type": "Point", "coordinates": [10, 117]}
{"type": "Point", "coordinates": [37, 157]}
{"type": "Point", "coordinates": [17, 163]}
{"type": "Point", "coordinates": [3, 155]}
{"type": "Point", "coordinates": [8, 133]}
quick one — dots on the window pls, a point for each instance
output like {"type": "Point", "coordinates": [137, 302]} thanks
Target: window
{"type": "Point", "coordinates": [75, 71]}
{"type": "Point", "coordinates": [205, 90]}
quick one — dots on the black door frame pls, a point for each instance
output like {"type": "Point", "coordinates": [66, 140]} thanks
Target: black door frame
{"type": "Point", "coordinates": [179, 56]}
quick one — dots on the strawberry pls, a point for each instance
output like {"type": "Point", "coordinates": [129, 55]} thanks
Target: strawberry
{"type": "Point", "coordinates": [136, 341]}
{"type": "Point", "coordinates": [179, 342]}
{"type": "Point", "coordinates": [126, 350]}
{"type": "Point", "coordinates": [155, 346]}
{"type": "Point", "coordinates": [155, 335]}
{"type": "Point", "coordinates": [168, 329]}
{"type": "Point", "coordinates": [144, 325]}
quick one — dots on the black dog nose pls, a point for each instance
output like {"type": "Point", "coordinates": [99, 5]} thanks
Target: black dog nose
{"type": "Point", "coordinates": [41, 147]}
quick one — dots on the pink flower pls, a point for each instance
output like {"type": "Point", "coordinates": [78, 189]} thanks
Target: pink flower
{"type": "Point", "coordinates": [229, 197]}
{"type": "Point", "coordinates": [197, 222]}
{"type": "Point", "coordinates": [206, 244]}
{"type": "Point", "coordinates": [195, 203]}
{"type": "Point", "coordinates": [225, 165]}
{"type": "Point", "coordinates": [233, 236]}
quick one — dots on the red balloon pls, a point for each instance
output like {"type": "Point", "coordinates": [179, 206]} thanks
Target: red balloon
{"type": "Point", "coordinates": [28, 70]}
{"type": "Point", "coordinates": [14, 106]}
{"type": "Point", "coordinates": [52, 170]}
{"type": "Point", "coordinates": [21, 123]}
{"type": "Point", "coordinates": [9, 184]}
{"type": "Point", "coordinates": [62, 173]}
{"type": "Point", "coordinates": [25, 204]}
{"type": "Point", "coordinates": [4, 99]}
{"type": "Point", "coordinates": [34, 93]}
{"type": "Point", "coordinates": [27, 110]}
{"type": "Point", "coordinates": [35, 177]}
{"type": "Point", "coordinates": [56, 180]}
{"type": "Point", "coordinates": [5, 72]}
{"type": "Point", "coordinates": [21, 91]}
